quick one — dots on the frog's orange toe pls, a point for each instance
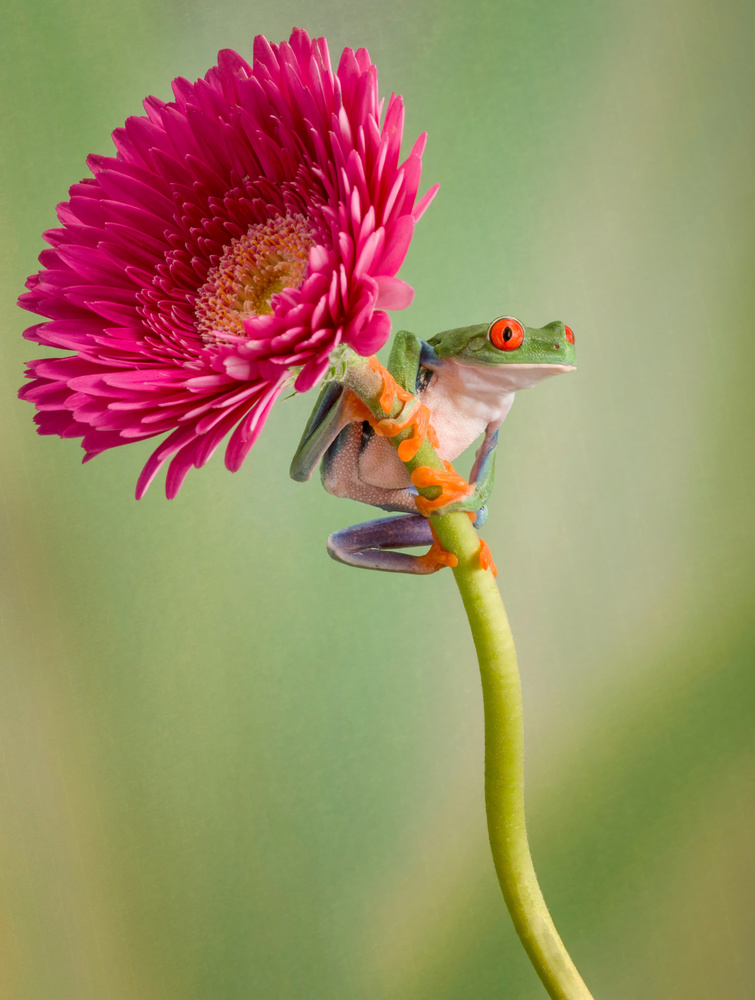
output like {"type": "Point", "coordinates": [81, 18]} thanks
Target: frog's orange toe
{"type": "Point", "coordinates": [420, 424]}
{"type": "Point", "coordinates": [436, 558]}
{"type": "Point", "coordinates": [453, 487]}
{"type": "Point", "coordinates": [418, 419]}
{"type": "Point", "coordinates": [486, 558]}
{"type": "Point", "coordinates": [414, 415]}
{"type": "Point", "coordinates": [390, 389]}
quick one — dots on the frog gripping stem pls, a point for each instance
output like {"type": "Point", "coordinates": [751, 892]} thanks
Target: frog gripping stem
{"type": "Point", "coordinates": [437, 557]}
{"type": "Point", "coordinates": [413, 414]}
{"type": "Point", "coordinates": [453, 487]}
{"type": "Point", "coordinates": [418, 418]}
{"type": "Point", "coordinates": [455, 540]}
{"type": "Point", "coordinates": [390, 390]}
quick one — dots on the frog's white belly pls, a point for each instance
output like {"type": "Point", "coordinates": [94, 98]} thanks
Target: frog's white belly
{"type": "Point", "coordinates": [466, 400]}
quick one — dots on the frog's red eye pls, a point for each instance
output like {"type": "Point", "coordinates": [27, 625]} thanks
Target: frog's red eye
{"type": "Point", "coordinates": [569, 334]}
{"type": "Point", "coordinates": [506, 333]}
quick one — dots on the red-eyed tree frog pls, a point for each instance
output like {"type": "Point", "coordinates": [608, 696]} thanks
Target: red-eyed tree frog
{"type": "Point", "coordinates": [466, 378]}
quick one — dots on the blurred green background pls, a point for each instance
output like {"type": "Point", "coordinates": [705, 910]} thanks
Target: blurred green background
{"type": "Point", "coordinates": [233, 768]}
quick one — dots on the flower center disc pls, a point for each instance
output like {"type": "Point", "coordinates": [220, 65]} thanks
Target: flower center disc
{"type": "Point", "coordinates": [270, 257]}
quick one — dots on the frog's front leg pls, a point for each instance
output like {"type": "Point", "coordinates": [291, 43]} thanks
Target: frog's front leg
{"type": "Point", "coordinates": [370, 545]}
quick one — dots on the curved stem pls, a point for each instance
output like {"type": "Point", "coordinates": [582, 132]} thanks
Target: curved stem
{"type": "Point", "coordinates": [504, 779]}
{"type": "Point", "coordinates": [504, 736]}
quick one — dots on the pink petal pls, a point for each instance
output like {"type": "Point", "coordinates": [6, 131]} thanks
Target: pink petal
{"type": "Point", "coordinates": [396, 245]}
{"type": "Point", "coordinates": [374, 334]}
{"type": "Point", "coordinates": [393, 293]}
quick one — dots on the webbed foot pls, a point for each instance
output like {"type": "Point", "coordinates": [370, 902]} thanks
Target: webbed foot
{"type": "Point", "coordinates": [454, 488]}
{"type": "Point", "coordinates": [436, 557]}
{"type": "Point", "coordinates": [418, 418]}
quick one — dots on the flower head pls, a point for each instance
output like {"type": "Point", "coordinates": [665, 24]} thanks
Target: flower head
{"type": "Point", "coordinates": [243, 231]}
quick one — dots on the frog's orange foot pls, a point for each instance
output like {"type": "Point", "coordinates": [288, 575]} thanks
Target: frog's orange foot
{"type": "Point", "coordinates": [418, 419]}
{"type": "Point", "coordinates": [421, 429]}
{"type": "Point", "coordinates": [484, 553]}
{"type": "Point", "coordinates": [410, 415]}
{"type": "Point", "coordinates": [436, 558]}
{"type": "Point", "coordinates": [391, 390]}
{"type": "Point", "coordinates": [486, 558]}
{"type": "Point", "coordinates": [453, 487]}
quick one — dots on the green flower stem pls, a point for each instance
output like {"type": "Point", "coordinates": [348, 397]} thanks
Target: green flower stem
{"type": "Point", "coordinates": [504, 735]}
{"type": "Point", "coordinates": [504, 776]}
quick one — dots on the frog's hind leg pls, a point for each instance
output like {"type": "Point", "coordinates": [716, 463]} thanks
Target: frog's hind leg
{"type": "Point", "coordinates": [370, 545]}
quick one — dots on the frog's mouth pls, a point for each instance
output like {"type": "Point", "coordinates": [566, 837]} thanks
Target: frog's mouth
{"type": "Point", "coordinates": [508, 377]}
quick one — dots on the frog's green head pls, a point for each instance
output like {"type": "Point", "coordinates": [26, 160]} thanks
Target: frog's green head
{"type": "Point", "coordinates": [507, 341]}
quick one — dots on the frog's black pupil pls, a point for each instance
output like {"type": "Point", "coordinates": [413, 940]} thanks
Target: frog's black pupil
{"type": "Point", "coordinates": [508, 333]}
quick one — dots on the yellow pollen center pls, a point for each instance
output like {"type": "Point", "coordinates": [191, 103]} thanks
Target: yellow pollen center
{"type": "Point", "coordinates": [271, 256]}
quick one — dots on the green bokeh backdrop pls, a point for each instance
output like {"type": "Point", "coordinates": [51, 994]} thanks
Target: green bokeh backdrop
{"type": "Point", "coordinates": [233, 768]}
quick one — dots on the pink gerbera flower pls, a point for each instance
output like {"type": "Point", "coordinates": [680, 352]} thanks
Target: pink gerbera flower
{"type": "Point", "coordinates": [242, 231]}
